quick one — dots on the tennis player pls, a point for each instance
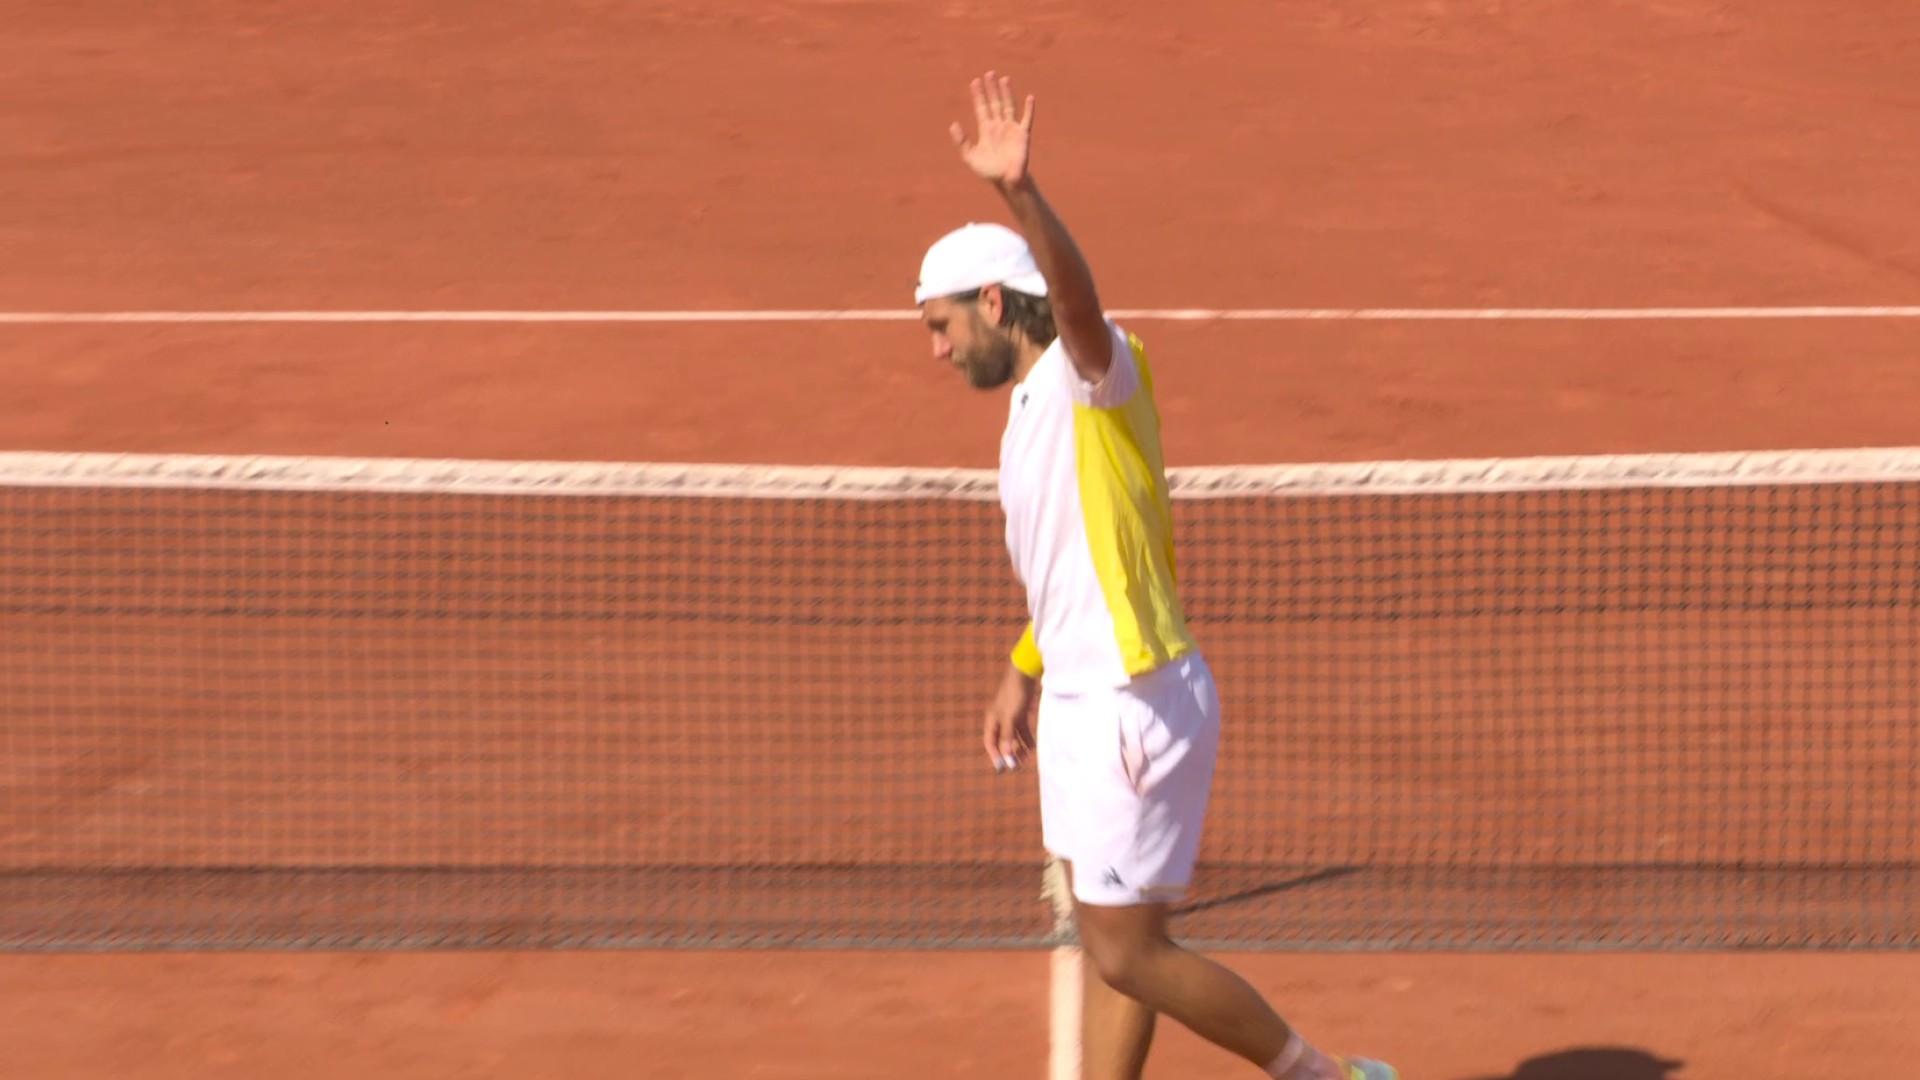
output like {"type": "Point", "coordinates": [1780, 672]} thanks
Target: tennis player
{"type": "Point", "coordinates": [1129, 717]}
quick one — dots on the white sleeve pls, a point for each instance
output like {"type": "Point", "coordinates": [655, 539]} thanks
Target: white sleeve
{"type": "Point", "coordinates": [1121, 382]}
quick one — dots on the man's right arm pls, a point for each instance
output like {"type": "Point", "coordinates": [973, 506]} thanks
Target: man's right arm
{"type": "Point", "coordinates": [1008, 736]}
{"type": "Point", "coordinates": [1026, 655]}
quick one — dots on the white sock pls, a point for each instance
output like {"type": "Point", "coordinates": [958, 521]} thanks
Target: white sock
{"type": "Point", "coordinates": [1298, 1061]}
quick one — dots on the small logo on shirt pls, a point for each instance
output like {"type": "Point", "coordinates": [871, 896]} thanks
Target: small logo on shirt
{"type": "Point", "coordinates": [1112, 878]}
{"type": "Point", "coordinates": [1023, 399]}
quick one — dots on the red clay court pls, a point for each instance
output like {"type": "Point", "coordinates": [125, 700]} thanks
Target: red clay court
{"type": "Point", "coordinates": [217, 157]}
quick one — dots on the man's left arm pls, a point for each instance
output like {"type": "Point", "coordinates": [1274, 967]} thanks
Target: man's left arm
{"type": "Point", "coordinates": [999, 153]}
{"type": "Point", "coordinates": [1076, 306]}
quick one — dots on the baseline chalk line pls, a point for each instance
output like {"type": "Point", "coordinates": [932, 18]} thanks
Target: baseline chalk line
{"type": "Point", "coordinates": [1504, 314]}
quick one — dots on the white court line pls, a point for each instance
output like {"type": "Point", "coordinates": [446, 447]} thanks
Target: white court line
{"type": "Point", "coordinates": [1618, 314]}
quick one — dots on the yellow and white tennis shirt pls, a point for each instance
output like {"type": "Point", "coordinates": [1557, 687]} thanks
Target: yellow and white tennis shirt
{"type": "Point", "coordinates": [1089, 522]}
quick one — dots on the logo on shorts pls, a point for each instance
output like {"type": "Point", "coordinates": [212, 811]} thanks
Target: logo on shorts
{"type": "Point", "coordinates": [1112, 877]}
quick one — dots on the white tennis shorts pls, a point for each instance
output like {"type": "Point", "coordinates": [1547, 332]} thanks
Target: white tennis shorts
{"type": "Point", "coordinates": [1124, 780]}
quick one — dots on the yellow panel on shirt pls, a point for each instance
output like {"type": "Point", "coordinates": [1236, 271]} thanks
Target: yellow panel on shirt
{"type": "Point", "coordinates": [1089, 522]}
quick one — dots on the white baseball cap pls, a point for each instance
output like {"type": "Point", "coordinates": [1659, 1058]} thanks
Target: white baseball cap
{"type": "Point", "coordinates": [974, 256]}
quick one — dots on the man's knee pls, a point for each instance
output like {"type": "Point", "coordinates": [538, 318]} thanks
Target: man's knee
{"type": "Point", "coordinates": [1122, 955]}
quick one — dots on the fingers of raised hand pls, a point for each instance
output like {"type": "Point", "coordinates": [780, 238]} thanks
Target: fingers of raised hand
{"type": "Point", "coordinates": [1008, 110]}
{"type": "Point", "coordinates": [993, 100]}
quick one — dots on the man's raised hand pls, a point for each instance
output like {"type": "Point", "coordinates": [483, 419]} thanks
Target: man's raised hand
{"type": "Point", "coordinates": [998, 153]}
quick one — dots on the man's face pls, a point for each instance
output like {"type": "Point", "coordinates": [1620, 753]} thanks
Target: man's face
{"type": "Point", "coordinates": [983, 352]}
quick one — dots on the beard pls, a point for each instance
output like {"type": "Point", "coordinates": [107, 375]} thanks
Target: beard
{"type": "Point", "coordinates": [990, 363]}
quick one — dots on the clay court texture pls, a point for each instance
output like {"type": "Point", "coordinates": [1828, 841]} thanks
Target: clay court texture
{"type": "Point", "coordinates": [1247, 177]}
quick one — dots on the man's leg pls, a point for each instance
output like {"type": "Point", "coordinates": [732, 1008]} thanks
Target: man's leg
{"type": "Point", "coordinates": [1127, 793]}
{"type": "Point", "coordinates": [1128, 949]}
{"type": "Point", "coordinates": [1115, 1030]}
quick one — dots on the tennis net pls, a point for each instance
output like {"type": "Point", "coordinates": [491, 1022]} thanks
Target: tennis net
{"type": "Point", "coordinates": [1647, 702]}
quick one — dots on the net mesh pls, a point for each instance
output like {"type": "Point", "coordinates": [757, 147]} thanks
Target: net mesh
{"type": "Point", "coordinates": [1658, 702]}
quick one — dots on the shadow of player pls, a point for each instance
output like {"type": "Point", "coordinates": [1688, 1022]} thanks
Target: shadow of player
{"type": "Point", "coordinates": [1595, 1063]}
